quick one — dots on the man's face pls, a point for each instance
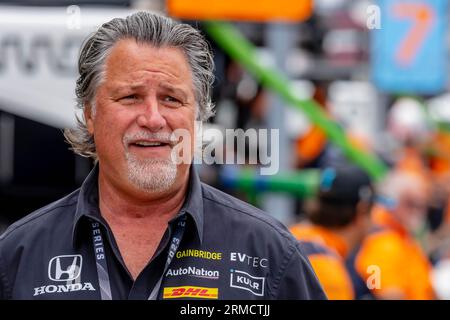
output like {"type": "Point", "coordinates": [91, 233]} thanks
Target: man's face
{"type": "Point", "coordinates": [412, 208]}
{"type": "Point", "coordinates": [147, 93]}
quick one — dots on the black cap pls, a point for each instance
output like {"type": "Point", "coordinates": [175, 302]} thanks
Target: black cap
{"type": "Point", "coordinates": [345, 185]}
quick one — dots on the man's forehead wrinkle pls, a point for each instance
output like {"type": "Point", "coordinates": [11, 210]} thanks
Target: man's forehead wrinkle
{"type": "Point", "coordinates": [141, 78]}
{"type": "Point", "coordinates": [141, 75]}
{"type": "Point", "coordinates": [134, 62]}
{"type": "Point", "coordinates": [137, 85]}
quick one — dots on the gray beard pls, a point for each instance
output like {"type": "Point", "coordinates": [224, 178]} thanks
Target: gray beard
{"type": "Point", "coordinates": [151, 175]}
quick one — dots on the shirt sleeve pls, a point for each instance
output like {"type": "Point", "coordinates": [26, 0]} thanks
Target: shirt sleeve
{"type": "Point", "coordinates": [297, 279]}
{"type": "Point", "coordinates": [3, 282]}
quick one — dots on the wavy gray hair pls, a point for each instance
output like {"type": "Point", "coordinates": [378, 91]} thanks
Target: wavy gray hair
{"type": "Point", "coordinates": [144, 27]}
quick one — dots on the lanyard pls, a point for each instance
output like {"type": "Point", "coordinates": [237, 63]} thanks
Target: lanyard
{"type": "Point", "coordinates": [102, 267]}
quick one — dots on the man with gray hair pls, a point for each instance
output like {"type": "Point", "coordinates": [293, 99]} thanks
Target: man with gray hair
{"type": "Point", "coordinates": [142, 225]}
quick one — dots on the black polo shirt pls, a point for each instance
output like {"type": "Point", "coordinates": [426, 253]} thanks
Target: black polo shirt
{"type": "Point", "coordinates": [230, 250]}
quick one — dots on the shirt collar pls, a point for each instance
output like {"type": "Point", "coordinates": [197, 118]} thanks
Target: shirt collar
{"type": "Point", "coordinates": [193, 203]}
{"type": "Point", "coordinates": [87, 204]}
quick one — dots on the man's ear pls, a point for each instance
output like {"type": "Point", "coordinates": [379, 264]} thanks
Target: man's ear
{"type": "Point", "coordinates": [88, 118]}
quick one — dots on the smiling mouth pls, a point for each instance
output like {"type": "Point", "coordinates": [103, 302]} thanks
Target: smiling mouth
{"type": "Point", "coordinates": [149, 144]}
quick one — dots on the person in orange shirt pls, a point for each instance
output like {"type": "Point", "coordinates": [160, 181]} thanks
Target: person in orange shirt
{"type": "Point", "coordinates": [390, 260]}
{"type": "Point", "coordinates": [338, 221]}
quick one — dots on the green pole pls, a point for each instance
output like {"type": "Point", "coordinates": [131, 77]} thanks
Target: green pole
{"type": "Point", "coordinates": [302, 184]}
{"type": "Point", "coordinates": [241, 50]}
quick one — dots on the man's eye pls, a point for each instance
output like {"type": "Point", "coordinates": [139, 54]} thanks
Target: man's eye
{"type": "Point", "coordinates": [129, 97]}
{"type": "Point", "coordinates": [170, 99]}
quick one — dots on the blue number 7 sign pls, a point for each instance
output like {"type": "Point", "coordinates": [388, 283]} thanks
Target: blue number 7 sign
{"type": "Point", "coordinates": [409, 51]}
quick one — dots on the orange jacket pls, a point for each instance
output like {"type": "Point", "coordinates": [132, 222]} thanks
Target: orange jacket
{"type": "Point", "coordinates": [324, 250]}
{"type": "Point", "coordinates": [394, 258]}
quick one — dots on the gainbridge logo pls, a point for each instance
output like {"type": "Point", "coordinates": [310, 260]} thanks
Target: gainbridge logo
{"type": "Point", "coordinates": [190, 292]}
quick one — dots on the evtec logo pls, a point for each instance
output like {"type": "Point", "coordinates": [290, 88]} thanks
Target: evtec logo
{"type": "Point", "coordinates": [249, 260]}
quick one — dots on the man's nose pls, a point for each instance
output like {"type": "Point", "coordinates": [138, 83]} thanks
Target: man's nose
{"type": "Point", "coordinates": [150, 116]}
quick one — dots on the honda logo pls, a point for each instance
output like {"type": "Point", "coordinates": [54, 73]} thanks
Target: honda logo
{"type": "Point", "coordinates": [65, 268]}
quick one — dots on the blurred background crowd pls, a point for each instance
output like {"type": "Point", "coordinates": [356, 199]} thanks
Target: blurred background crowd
{"type": "Point", "coordinates": [371, 206]}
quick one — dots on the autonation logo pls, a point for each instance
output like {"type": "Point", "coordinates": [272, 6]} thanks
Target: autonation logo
{"type": "Point", "coordinates": [194, 272]}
